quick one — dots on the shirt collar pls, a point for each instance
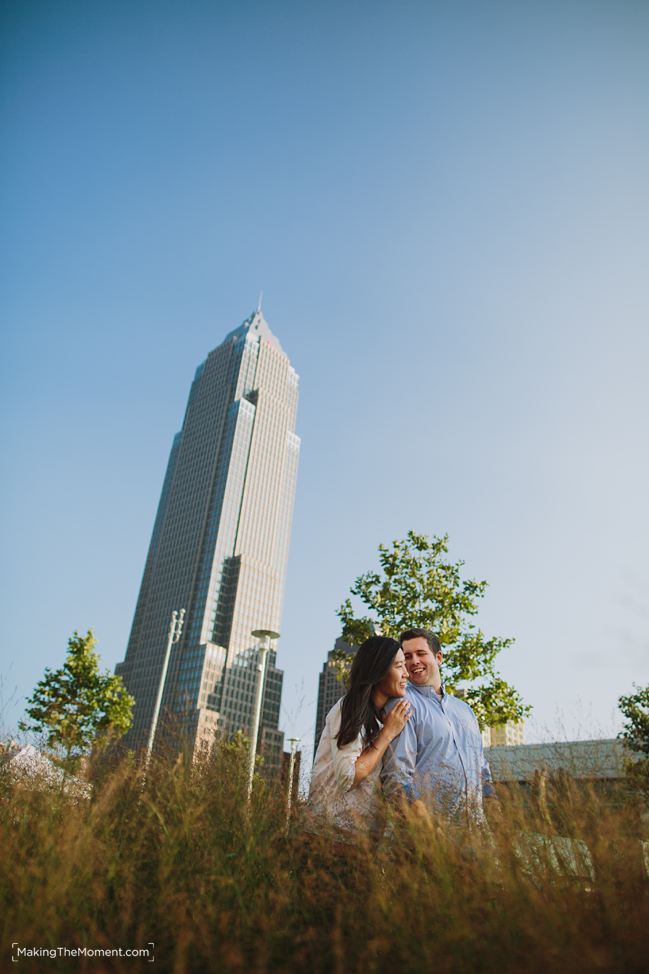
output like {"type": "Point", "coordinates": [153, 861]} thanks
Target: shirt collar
{"type": "Point", "coordinates": [427, 691]}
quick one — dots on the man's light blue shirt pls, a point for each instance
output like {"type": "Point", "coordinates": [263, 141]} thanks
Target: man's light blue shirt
{"type": "Point", "coordinates": [438, 756]}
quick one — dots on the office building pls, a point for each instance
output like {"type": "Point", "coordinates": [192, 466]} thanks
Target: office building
{"type": "Point", "coordinates": [219, 548]}
{"type": "Point", "coordinates": [504, 735]}
{"type": "Point", "coordinates": [331, 683]}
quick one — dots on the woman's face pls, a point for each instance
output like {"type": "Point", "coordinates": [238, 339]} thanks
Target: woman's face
{"type": "Point", "coordinates": [395, 681]}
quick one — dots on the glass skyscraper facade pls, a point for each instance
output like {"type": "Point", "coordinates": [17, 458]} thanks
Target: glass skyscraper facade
{"type": "Point", "coordinates": [219, 547]}
{"type": "Point", "coordinates": [331, 686]}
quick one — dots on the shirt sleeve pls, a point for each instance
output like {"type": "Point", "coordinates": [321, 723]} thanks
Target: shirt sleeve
{"type": "Point", "coordinates": [488, 789]}
{"type": "Point", "coordinates": [398, 771]}
{"type": "Point", "coordinates": [343, 758]}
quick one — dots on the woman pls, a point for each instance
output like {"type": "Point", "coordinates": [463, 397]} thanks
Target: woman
{"type": "Point", "coordinates": [345, 785]}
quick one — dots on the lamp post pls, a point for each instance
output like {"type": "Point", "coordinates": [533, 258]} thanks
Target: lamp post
{"type": "Point", "coordinates": [293, 741]}
{"type": "Point", "coordinates": [265, 635]}
{"type": "Point", "coordinates": [175, 631]}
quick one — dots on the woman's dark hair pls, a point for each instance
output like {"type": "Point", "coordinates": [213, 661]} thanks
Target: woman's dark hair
{"type": "Point", "coordinates": [372, 662]}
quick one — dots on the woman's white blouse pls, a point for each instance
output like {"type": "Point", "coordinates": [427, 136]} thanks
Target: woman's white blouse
{"type": "Point", "coordinates": [332, 792]}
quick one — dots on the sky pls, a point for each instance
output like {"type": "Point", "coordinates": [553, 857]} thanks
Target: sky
{"type": "Point", "coordinates": [447, 208]}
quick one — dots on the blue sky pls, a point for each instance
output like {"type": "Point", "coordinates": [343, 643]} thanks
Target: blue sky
{"type": "Point", "coordinates": [446, 206]}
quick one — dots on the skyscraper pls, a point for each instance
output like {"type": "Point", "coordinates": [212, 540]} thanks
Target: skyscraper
{"type": "Point", "coordinates": [219, 547]}
{"type": "Point", "coordinates": [331, 686]}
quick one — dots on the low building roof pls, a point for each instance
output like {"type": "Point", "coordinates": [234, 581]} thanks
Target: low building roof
{"type": "Point", "coordinates": [602, 759]}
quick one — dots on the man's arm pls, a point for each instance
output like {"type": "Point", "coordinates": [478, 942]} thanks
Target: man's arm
{"type": "Point", "coordinates": [488, 789]}
{"type": "Point", "coordinates": [400, 759]}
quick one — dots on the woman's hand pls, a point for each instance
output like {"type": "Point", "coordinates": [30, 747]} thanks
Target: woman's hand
{"type": "Point", "coordinates": [393, 724]}
{"type": "Point", "coordinates": [397, 719]}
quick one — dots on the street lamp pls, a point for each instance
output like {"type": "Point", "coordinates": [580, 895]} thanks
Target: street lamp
{"type": "Point", "coordinates": [293, 741]}
{"type": "Point", "coordinates": [175, 631]}
{"type": "Point", "coordinates": [265, 635]}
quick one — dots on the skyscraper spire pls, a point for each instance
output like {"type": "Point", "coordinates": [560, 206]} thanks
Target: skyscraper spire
{"type": "Point", "coordinates": [261, 295]}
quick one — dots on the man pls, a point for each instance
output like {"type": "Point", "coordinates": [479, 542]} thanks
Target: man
{"type": "Point", "coordinates": [437, 760]}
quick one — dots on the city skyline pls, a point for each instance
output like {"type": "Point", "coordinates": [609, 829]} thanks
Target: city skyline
{"type": "Point", "coordinates": [219, 549]}
{"type": "Point", "coordinates": [446, 207]}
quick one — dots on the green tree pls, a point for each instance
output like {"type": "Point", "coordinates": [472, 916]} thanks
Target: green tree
{"type": "Point", "coordinates": [635, 734]}
{"type": "Point", "coordinates": [78, 707]}
{"type": "Point", "coordinates": [418, 586]}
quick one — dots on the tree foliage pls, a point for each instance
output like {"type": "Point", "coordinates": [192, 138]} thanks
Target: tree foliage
{"type": "Point", "coordinates": [635, 734]}
{"type": "Point", "coordinates": [418, 586]}
{"type": "Point", "coordinates": [635, 708]}
{"type": "Point", "coordinates": [76, 706]}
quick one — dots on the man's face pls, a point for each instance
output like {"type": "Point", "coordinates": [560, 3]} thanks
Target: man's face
{"type": "Point", "coordinates": [421, 663]}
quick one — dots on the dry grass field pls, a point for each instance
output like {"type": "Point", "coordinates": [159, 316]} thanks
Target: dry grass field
{"type": "Point", "coordinates": [181, 860]}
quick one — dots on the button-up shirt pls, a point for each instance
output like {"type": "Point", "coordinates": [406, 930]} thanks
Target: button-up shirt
{"type": "Point", "coordinates": [438, 756]}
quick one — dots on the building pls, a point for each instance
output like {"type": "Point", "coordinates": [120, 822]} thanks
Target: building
{"type": "Point", "coordinates": [549, 775]}
{"type": "Point", "coordinates": [331, 684]}
{"type": "Point", "coordinates": [219, 548]}
{"type": "Point", "coordinates": [504, 735]}
{"type": "Point", "coordinates": [592, 761]}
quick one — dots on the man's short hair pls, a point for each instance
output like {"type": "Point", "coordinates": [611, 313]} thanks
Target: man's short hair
{"type": "Point", "coordinates": [430, 637]}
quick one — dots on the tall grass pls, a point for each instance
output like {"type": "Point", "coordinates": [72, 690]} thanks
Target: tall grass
{"type": "Point", "coordinates": [183, 861]}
